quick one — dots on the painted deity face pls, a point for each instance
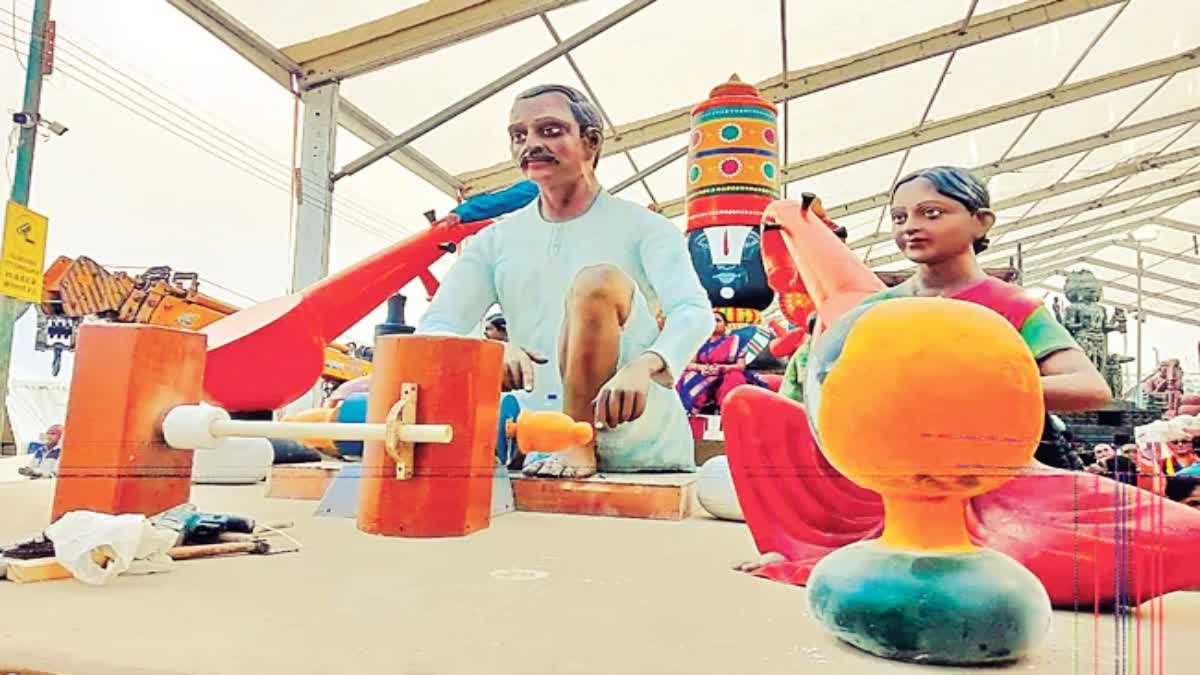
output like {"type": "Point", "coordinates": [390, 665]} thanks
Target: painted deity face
{"type": "Point", "coordinates": [929, 227]}
{"type": "Point", "coordinates": [545, 140]}
{"type": "Point", "coordinates": [728, 260]}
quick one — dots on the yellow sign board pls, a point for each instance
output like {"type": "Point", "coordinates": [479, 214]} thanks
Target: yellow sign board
{"type": "Point", "coordinates": [24, 253]}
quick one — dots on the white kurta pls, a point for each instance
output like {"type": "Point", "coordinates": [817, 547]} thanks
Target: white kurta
{"type": "Point", "coordinates": [527, 264]}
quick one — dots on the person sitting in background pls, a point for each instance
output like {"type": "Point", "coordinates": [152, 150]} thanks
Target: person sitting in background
{"type": "Point", "coordinates": [1194, 469]}
{"type": "Point", "coordinates": [44, 454]}
{"type": "Point", "coordinates": [1100, 454]}
{"type": "Point", "coordinates": [1112, 465]}
{"type": "Point", "coordinates": [1182, 456]}
{"type": "Point", "coordinates": [719, 366]}
{"type": "Point", "coordinates": [496, 328]}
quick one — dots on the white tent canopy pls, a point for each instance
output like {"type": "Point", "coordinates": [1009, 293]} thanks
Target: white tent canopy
{"type": "Point", "coordinates": [1084, 113]}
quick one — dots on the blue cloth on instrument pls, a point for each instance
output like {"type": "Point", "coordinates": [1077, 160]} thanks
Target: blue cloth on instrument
{"type": "Point", "coordinates": [495, 204]}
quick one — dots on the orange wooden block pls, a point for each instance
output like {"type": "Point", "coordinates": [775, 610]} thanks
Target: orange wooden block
{"type": "Point", "coordinates": [308, 480]}
{"type": "Point", "coordinates": [33, 571]}
{"type": "Point", "coordinates": [450, 493]}
{"type": "Point", "coordinates": [669, 496]}
{"type": "Point", "coordinates": [114, 458]}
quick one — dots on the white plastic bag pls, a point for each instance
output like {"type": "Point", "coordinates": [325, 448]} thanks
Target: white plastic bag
{"type": "Point", "coordinates": [96, 547]}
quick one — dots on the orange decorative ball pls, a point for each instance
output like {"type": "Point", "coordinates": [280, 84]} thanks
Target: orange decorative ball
{"type": "Point", "coordinates": [926, 397]}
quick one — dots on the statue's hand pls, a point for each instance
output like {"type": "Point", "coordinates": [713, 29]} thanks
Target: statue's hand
{"type": "Point", "coordinates": [623, 398]}
{"type": "Point", "coordinates": [518, 367]}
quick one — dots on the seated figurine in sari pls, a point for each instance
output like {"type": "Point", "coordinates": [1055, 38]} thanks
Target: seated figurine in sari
{"type": "Point", "coordinates": [719, 366]}
{"type": "Point", "coordinates": [1061, 525]}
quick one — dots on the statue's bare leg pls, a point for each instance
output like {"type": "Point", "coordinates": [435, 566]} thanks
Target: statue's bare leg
{"type": "Point", "coordinates": [763, 560]}
{"type": "Point", "coordinates": [589, 350]}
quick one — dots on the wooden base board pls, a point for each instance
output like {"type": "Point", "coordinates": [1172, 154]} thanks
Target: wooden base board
{"type": "Point", "coordinates": [658, 496]}
{"type": "Point", "coordinates": [670, 496]}
{"type": "Point", "coordinates": [706, 450]}
{"type": "Point", "coordinates": [34, 570]}
{"type": "Point", "coordinates": [306, 480]}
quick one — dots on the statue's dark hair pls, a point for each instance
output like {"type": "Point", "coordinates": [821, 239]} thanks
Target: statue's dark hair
{"type": "Point", "coordinates": [587, 115]}
{"type": "Point", "coordinates": [958, 184]}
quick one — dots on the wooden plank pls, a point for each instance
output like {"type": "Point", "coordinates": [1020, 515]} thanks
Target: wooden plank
{"type": "Point", "coordinates": [652, 496]}
{"type": "Point", "coordinates": [307, 480]}
{"type": "Point", "coordinates": [114, 458]}
{"type": "Point", "coordinates": [37, 569]}
{"type": "Point", "coordinates": [707, 449]}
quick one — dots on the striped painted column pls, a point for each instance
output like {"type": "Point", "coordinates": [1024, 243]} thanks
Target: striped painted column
{"type": "Point", "coordinates": [732, 175]}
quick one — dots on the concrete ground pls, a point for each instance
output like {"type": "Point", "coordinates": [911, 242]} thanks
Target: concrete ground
{"type": "Point", "coordinates": [561, 595]}
{"type": "Point", "coordinates": [8, 469]}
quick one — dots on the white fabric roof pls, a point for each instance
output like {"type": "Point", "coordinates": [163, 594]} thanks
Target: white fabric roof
{"type": "Point", "coordinates": [669, 54]}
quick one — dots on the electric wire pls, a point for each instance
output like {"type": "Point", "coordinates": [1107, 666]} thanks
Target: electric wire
{"type": "Point", "coordinates": [147, 103]}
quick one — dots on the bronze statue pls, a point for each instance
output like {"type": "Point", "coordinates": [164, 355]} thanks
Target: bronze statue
{"type": "Point", "coordinates": [1089, 324]}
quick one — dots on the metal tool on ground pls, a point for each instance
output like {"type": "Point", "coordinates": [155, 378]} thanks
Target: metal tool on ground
{"type": "Point", "coordinates": [255, 546]}
{"type": "Point", "coordinates": [37, 547]}
{"type": "Point", "coordinates": [196, 527]}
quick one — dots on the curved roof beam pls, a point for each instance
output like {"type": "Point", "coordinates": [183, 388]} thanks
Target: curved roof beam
{"type": "Point", "coordinates": [1120, 171]}
{"type": "Point", "coordinates": [1075, 209]}
{"type": "Point", "coordinates": [796, 83]}
{"type": "Point", "coordinates": [953, 126]}
{"type": "Point", "coordinates": [1039, 156]}
{"type": "Point", "coordinates": [408, 34]}
{"type": "Point", "coordinates": [281, 68]}
{"type": "Point", "coordinates": [1130, 309]}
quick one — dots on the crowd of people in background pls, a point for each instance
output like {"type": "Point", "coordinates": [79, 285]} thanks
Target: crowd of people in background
{"type": "Point", "coordinates": [1122, 461]}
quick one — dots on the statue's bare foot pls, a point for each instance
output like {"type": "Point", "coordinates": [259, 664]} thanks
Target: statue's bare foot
{"type": "Point", "coordinates": [577, 463]}
{"type": "Point", "coordinates": [761, 561]}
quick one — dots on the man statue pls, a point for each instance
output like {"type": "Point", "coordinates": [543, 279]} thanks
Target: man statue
{"type": "Point", "coordinates": [580, 275]}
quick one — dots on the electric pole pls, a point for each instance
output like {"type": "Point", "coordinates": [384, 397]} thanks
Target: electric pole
{"type": "Point", "coordinates": [12, 308]}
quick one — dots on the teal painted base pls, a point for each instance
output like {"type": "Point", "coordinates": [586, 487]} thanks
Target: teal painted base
{"type": "Point", "coordinates": [951, 609]}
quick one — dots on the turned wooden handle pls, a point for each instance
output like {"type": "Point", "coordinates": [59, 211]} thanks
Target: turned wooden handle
{"type": "Point", "coordinates": [211, 550]}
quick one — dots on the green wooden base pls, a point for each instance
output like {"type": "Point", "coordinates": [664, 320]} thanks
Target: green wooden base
{"type": "Point", "coordinates": [971, 608]}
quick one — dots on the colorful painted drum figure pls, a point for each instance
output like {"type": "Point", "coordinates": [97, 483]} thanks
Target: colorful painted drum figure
{"type": "Point", "coordinates": [732, 175]}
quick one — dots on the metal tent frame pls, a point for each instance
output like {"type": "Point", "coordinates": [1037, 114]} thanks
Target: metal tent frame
{"type": "Point", "coordinates": [1093, 211]}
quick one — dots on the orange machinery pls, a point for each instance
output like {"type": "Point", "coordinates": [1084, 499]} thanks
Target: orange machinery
{"type": "Point", "coordinates": [78, 288]}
